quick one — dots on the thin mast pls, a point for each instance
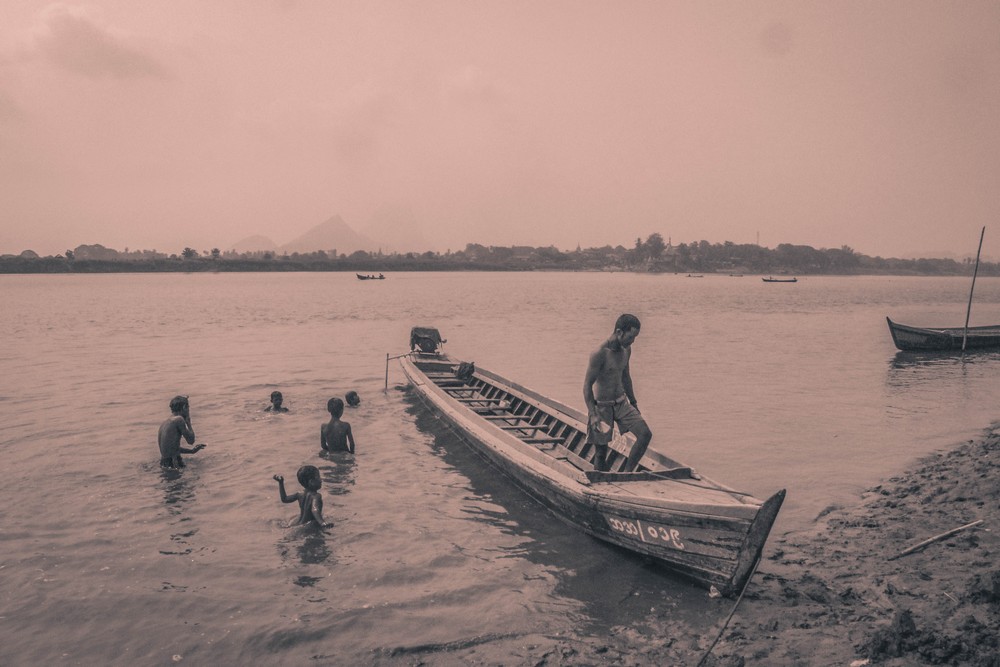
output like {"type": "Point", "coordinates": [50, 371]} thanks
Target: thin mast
{"type": "Point", "coordinates": [968, 311]}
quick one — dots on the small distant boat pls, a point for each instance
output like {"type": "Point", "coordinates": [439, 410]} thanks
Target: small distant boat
{"type": "Point", "coordinates": [698, 528]}
{"type": "Point", "coordinates": [943, 339]}
{"type": "Point", "coordinates": [369, 277]}
{"type": "Point", "coordinates": [695, 275]}
{"type": "Point", "coordinates": [772, 279]}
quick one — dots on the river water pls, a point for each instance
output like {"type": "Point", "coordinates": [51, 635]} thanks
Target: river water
{"type": "Point", "coordinates": [105, 558]}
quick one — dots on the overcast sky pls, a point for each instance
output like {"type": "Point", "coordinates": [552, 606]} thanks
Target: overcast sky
{"type": "Point", "coordinates": [872, 124]}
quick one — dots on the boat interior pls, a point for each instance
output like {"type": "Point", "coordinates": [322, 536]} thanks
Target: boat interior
{"type": "Point", "coordinates": [528, 419]}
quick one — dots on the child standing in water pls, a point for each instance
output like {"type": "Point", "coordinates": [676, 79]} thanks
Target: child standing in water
{"type": "Point", "coordinates": [177, 426]}
{"type": "Point", "coordinates": [336, 435]}
{"type": "Point", "coordinates": [276, 400]}
{"type": "Point", "coordinates": [310, 500]}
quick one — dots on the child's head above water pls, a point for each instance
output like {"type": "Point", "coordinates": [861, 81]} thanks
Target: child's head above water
{"type": "Point", "coordinates": [335, 406]}
{"type": "Point", "coordinates": [353, 399]}
{"type": "Point", "coordinates": [309, 477]}
{"type": "Point", "coordinates": [177, 403]}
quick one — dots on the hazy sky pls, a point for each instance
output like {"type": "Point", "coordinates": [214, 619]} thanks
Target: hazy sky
{"type": "Point", "coordinates": [872, 124]}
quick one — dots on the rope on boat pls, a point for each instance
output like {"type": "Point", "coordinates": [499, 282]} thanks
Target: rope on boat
{"type": "Point", "coordinates": [730, 617]}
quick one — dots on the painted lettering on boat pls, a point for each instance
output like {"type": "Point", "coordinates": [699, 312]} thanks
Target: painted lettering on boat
{"type": "Point", "coordinates": [647, 532]}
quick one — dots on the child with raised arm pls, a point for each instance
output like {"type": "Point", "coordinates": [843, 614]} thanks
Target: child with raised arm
{"type": "Point", "coordinates": [310, 500]}
{"type": "Point", "coordinates": [177, 426]}
{"type": "Point", "coordinates": [336, 435]}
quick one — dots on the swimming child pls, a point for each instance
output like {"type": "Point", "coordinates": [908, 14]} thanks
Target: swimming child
{"type": "Point", "coordinates": [336, 435]}
{"type": "Point", "coordinates": [177, 426]}
{"type": "Point", "coordinates": [353, 400]}
{"type": "Point", "coordinates": [310, 500]}
{"type": "Point", "coordinates": [276, 400]}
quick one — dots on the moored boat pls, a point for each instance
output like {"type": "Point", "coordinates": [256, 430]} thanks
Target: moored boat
{"type": "Point", "coordinates": [910, 339]}
{"type": "Point", "coordinates": [696, 527]}
{"type": "Point", "coordinates": [772, 279]}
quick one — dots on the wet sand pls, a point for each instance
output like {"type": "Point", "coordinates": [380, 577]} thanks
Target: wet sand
{"type": "Point", "coordinates": [832, 596]}
{"type": "Point", "coordinates": [839, 593]}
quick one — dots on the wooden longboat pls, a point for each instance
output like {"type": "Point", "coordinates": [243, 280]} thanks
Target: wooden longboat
{"type": "Point", "coordinates": [945, 339]}
{"type": "Point", "coordinates": [697, 528]}
{"type": "Point", "coordinates": [772, 279]}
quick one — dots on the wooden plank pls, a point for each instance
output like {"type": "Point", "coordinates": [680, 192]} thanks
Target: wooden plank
{"type": "Point", "coordinates": [507, 417]}
{"type": "Point", "coordinates": [641, 476]}
{"type": "Point", "coordinates": [480, 400]}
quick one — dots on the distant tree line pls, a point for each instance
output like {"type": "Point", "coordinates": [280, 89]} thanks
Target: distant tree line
{"type": "Point", "coordinates": [652, 255]}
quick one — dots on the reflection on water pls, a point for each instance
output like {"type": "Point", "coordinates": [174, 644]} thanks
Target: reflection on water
{"type": "Point", "coordinates": [313, 550]}
{"type": "Point", "coordinates": [178, 492]}
{"type": "Point", "coordinates": [603, 585]}
{"type": "Point", "coordinates": [909, 359]}
{"type": "Point", "coordinates": [949, 371]}
{"type": "Point", "coordinates": [339, 477]}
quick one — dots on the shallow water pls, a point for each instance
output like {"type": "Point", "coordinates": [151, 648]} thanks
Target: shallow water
{"type": "Point", "coordinates": [760, 386]}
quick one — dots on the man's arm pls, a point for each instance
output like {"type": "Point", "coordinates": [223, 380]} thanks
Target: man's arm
{"type": "Point", "coordinates": [322, 437]}
{"type": "Point", "coordinates": [593, 370]}
{"type": "Point", "coordinates": [192, 450]}
{"type": "Point", "coordinates": [184, 426]}
{"type": "Point", "coordinates": [627, 382]}
{"type": "Point", "coordinates": [350, 437]}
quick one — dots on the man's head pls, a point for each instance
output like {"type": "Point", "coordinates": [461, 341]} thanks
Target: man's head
{"type": "Point", "coordinates": [336, 407]}
{"type": "Point", "coordinates": [627, 328]}
{"type": "Point", "coordinates": [309, 477]}
{"type": "Point", "coordinates": [353, 399]}
{"type": "Point", "coordinates": [178, 403]}
{"type": "Point", "coordinates": [276, 398]}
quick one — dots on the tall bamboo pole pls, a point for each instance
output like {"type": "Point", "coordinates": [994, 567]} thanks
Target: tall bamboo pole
{"type": "Point", "coordinates": [968, 311]}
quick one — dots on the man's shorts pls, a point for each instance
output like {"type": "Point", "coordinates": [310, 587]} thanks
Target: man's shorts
{"type": "Point", "coordinates": [618, 411]}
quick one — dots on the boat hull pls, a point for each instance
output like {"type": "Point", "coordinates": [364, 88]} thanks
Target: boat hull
{"type": "Point", "coordinates": [694, 526]}
{"type": "Point", "coordinates": [911, 339]}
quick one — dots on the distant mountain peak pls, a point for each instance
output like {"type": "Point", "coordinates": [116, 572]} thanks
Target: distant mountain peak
{"type": "Point", "coordinates": [331, 234]}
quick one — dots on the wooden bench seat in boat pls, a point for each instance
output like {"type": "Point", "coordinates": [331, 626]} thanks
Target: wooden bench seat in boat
{"type": "Point", "coordinates": [543, 440]}
{"type": "Point", "coordinates": [523, 427]}
{"type": "Point", "coordinates": [508, 416]}
{"type": "Point", "coordinates": [564, 454]}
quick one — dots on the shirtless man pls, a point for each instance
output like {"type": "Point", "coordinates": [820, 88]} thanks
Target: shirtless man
{"type": "Point", "coordinates": [614, 400]}
{"type": "Point", "coordinates": [177, 426]}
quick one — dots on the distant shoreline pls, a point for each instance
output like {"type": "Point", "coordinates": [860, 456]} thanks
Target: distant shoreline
{"type": "Point", "coordinates": [650, 256]}
{"type": "Point", "coordinates": [20, 266]}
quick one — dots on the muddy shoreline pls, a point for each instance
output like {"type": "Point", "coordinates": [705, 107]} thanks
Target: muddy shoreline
{"type": "Point", "coordinates": [839, 593]}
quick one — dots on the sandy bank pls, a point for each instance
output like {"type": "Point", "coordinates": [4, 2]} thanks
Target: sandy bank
{"type": "Point", "coordinates": [832, 596]}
